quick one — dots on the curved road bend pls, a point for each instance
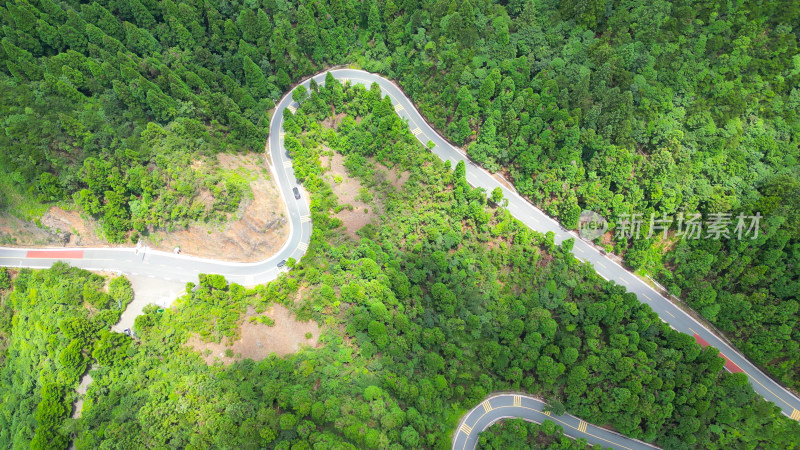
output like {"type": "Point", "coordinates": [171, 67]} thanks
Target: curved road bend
{"type": "Point", "coordinates": [169, 266]}
{"type": "Point", "coordinates": [510, 406]}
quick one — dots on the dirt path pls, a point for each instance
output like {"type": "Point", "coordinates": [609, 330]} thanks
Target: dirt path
{"type": "Point", "coordinates": [77, 407]}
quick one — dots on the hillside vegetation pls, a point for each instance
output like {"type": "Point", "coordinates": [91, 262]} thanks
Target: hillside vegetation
{"type": "Point", "coordinates": [619, 107]}
{"type": "Point", "coordinates": [447, 299]}
{"type": "Point", "coordinates": [53, 326]}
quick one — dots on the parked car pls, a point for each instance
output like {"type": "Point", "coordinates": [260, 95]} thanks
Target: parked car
{"type": "Point", "coordinates": [282, 263]}
{"type": "Point", "coordinates": [296, 193]}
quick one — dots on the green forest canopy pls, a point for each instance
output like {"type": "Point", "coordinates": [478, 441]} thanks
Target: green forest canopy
{"type": "Point", "coordinates": [425, 314]}
{"type": "Point", "coordinates": [53, 326]}
{"type": "Point", "coordinates": [619, 107]}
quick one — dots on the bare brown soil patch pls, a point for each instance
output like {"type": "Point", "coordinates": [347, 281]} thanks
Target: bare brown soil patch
{"type": "Point", "coordinates": [333, 121]}
{"type": "Point", "coordinates": [59, 228]}
{"type": "Point", "coordinates": [347, 190]}
{"type": "Point", "coordinates": [394, 176]}
{"type": "Point", "coordinates": [260, 228]}
{"type": "Point", "coordinates": [258, 340]}
{"type": "Point", "coordinates": [500, 179]}
{"type": "Point", "coordinates": [259, 232]}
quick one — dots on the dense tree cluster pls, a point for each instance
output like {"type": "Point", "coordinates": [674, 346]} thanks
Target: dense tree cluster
{"type": "Point", "coordinates": [636, 107]}
{"type": "Point", "coordinates": [619, 107]}
{"type": "Point", "coordinates": [447, 300]}
{"type": "Point", "coordinates": [516, 434]}
{"type": "Point", "coordinates": [645, 107]}
{"type": "Point", "coordinates": [52, 325]}
{"type": "Point", "coordinates": [94, 114]}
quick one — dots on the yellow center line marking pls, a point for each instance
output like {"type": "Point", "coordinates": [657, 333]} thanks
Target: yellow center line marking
{"type": "Point", "coordinates": [601, 265]}
{"type": "Point", "coordinates": [795, 414]}
{"type": "Point", "coordinates": [767, 389]}
{"type": "Point", "coordinates": [517, 400]}
{"type": "Point", "coordinates": [398, 107]}
{"type": "Point", "coordinates": [546, 413]}
{"type": "Point", "coordinates": [486, 405]}
{"type": "Point", "coordinates": [624, 281]}
{"type": "Point", "coordinates": [466, 429]}
{"type": "Point", "coordinates": [673, 315]}
{"type": "Point", "coordinates": [582, 426]}
{"type": "Point", "coordinates": [647, 297]}
{"type": "Point", "coordinates": [615, 444]}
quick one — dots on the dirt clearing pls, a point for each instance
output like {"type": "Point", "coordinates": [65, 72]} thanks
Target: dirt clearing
{"type": "Point", "coordinates": [396, 178]}
{"type": "Point", "coordinates": [359, 203]}
{"type": "Point", "coordinates": [258, 340]}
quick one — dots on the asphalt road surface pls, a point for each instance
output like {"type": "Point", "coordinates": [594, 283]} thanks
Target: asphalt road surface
{"type": "Point", "coordinates": [505, 406]}
{"type": "Point", "coordinates": [169, 266]}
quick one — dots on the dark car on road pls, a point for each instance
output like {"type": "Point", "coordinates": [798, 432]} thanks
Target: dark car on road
{"type": "Point", "coordinates": [296, 193]}
{"type": "Point", "coordinates": [282, 263]}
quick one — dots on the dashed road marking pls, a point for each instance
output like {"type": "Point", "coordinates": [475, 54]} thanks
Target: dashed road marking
{"type": "Point", "coordinates": [304, 219]}
{"type": "Point", "coordinates": [599, 263]}
{"type": "Point", "coordinates": [517, 400]}
{"type": "Point", "coordinates": [624, 281]}
{"type": "Point", "coordinates": [582, 426]}
{"type": "Point", "coordinates": [795, 414]}
{"type": "Point", "coordinates": [292, 109]}
{"type": "Point", "coordinates": [287, 164]}
{"type": "Point", "coordinates": [416, 131]}
{"type": "Point", "coordinates": [466, 429]}
{"type": "Point", "coordinates": [546, 413]}
{"type": "Point", "coordinates": [486, 406]}
{"type": "Point", "coordinates": [398, 107]}
{"type": "Point", "coordinates": [302, 246]}
{"type": "Point", "coordinates": [673, 315]}
{"type": "Point", "coordinates": [580, 250]}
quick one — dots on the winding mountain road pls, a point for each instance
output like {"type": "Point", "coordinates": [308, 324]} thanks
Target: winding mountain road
{"type": "Point", "coordinates": [169, 266]}
{"type": "Point", "coordinates": [509, 406]}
